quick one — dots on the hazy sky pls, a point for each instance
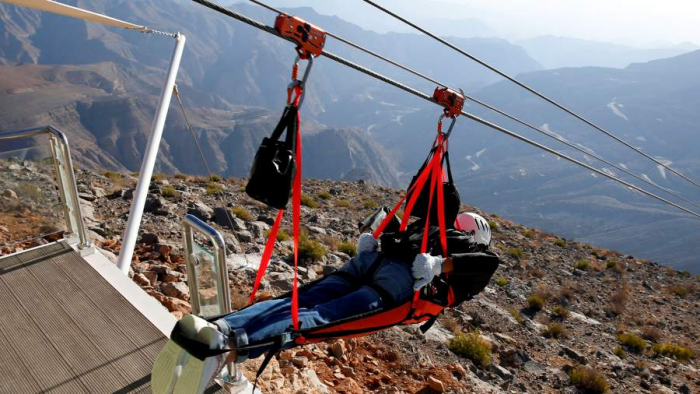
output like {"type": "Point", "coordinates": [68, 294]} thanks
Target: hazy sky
{"type": "Point", "coordinates": [638, 22]}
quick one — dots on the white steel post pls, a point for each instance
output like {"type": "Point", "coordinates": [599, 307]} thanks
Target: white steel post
{"type": "Point", "coordinates": [149, 160]}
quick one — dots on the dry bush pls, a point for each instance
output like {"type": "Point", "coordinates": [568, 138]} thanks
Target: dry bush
{"type": "Point", "coordinates": [330, 241]}
{"type": "Point", "coordinates": [560, 312]}
{"type": "Point", "coordinates": [652, 333]}
{"type": "Point", "coordinates": [516, 315]}
{"type": "Point", "coordinates": [554, 330]}
{"type": "Point", "coordinates": [242, 213]}
{"type": "Point", "coordinates": [535, 302]}
{"type": "Point", "coordinates": [450, 323]}
{"type": "Point", "coordinates": [674, 351]}
{"type": "Point", "coordinates": [618, 300]}
{"type": "Point", "coordinates": [536, 272]}
{"type": "Point", "coordinates": [632, 342]}
{"type": "Point", "coordinates": [471, 346]}
{"type": "Point", "coordinates": [589, 380]}
{"type": "Point", "coordinates": [682, 291]}
{"type": "Point", "coordinates": [349, 248]}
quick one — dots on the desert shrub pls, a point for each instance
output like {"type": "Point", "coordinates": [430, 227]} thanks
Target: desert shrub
{"type": "Point", "coordinates": [582, 265]}
{"type": "Point", "coordinates": [169, 191]}
{"type": "Point", "coordinates": [213, 188]}
{"type": "Point", "coordinates": [324, 196]}
{"type": "Point", "coordinates": [618, 301]}
{"type": "Point", "coordinates": [566, 292]}
{"type": "Point", "coordinates": [589, 380]}
{"type": "Point", "coordinates": [515, 252]}
{"type": "Point", "coordinates": [529, 234]}
{"type": "Point", "coordinates": [310, 250]}
{"type": "Point", "coordinates": [535, 302]}
{"type": "Point", "coordinates": [651, 333]}
{"type": "Point", "coordinates": [611, 264]}
{"type": "Point", "coordinates": [536, 272]}
{"type": "Point", "coordinates": [215, 178]}
{"type": "Point", "coordinates": [620, 352]}
{"type": "Point", "coordinates": [675, 351]}
{"type": "Point", "coordinates": [516, 315]}
{"type": "Point", "coordinates": [681, 290]}
{"type": "Point", "coordinates": [343, 203]}
{"type": "Point", "coordinates": [632, 342]}
{"type": "Point", "coordinates": [349, 248]}
{"type": "Point", "coordinates": [28, 190]}
{"type": "Point", "coordinates": [560, 243]}
{"type": "Point", "coordinates": [112, 175]}
{"type": "Point", "coordinates": [554, 330]}
{"type": "Point", "coordinates": [282, 235]}
{"type": "Point", "coordinates": [158, 177]}
{"type": "Point", "coordinates": [501, 281]}
{"type": "Point", "coordinates": [471, 346]}
{"type": "Point", "coordinates": [307, 201]}
{"type": "Point", "coordinates": [370, 204]}
{"type": "Point", "coordinates": [560, 312]}
{"type": "Point", "coordinates": [493, 225]}
{"type": "Point", "coordinates": [242, 213]}
{"type": "Point", "coordinates": [181, 177]}
{"type": "Point", "coordinates": [450, 323]}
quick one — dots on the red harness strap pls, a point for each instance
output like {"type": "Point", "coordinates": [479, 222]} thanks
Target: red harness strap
{"type": "Point", "coordinates": [296, 214]}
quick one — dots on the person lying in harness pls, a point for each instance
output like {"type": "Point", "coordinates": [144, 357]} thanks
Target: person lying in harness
{"type": "Point", "coordinates": [372, 282]}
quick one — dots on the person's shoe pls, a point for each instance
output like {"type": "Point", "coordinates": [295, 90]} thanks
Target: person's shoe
{"type": "Point", "coordinates": [196, 374]}
{"type": "Point", "coordinates": [169, 363]}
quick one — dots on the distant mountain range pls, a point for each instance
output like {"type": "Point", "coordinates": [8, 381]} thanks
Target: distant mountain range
{"type": "Point", "coordinates": [557, 52]}
{"type": "Point", "coordinates": [101, 84]}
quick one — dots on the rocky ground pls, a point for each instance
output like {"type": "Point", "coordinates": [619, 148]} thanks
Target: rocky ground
{"type": "Point", "coordinates": [544, 325]}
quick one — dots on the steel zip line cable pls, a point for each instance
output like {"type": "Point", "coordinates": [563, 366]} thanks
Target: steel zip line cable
{"type": "Point", "coordinates": [529, 89]}
{"type": "Point", "coordinates": [424, 96]}
{"type": "Point", "coordinates": [586, 151]}
{"type": "Point", "coordinates": [220, 193]}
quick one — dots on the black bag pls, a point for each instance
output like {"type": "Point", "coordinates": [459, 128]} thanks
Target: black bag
{"type": "Point", "coordinates": [274, 165]}
{"type": "Point", "coordinates": [450, 193]}
{"type": "Point", "coordinates": [471, 273]}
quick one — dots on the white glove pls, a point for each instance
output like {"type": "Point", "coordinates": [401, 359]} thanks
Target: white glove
{"type": "Point", "coordinates": [425, 268]}
{"type": "Point", "coordinates": [367, 243]}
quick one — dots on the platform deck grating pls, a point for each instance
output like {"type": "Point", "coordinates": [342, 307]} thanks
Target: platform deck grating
{"type": "Point", "coordinates": [65, 329]}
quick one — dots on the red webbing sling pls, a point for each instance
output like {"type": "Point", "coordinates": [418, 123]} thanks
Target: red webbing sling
{"type": "Point", "coordinates": [296, 214]}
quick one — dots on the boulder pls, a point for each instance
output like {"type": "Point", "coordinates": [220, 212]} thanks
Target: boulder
{"type": "Point", "coordinates": [436, 384]}
{"type": "Point", "coordinates": [176, 289]}
{"type": "Point", "coordinates": [177, 305]}
{"type": "Point", "coordinates": [8, 193]}
{"type": "Point", "coordinates": [202, 211]}
{"type": "Point", "coordinates": [153, 203]}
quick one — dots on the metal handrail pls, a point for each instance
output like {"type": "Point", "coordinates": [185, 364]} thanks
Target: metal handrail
{"type": "Point", "coordinates": [59, 145]}
{"type": "Point", "coordinates": [190, 223]}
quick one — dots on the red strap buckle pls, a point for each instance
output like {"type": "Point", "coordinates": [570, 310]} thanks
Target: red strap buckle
{"type": "Point", "coordinates": [310, 39]}
{"type": "Point", "coordinates": [452, 101]}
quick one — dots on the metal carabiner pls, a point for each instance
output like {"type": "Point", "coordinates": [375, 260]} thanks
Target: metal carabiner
{"type": "Point", "coordinates": [449, 129]}
{"type": "Point", "coordinates": [296, 82]}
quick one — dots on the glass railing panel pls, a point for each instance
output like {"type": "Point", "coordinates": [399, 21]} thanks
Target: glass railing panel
{"type": "Point", "coordinates": [31, 211]}
{"type": "Point", "coordinates": [209, 296]}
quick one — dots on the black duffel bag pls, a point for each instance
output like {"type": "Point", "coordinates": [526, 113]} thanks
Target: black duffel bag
{"type": "Point", "coordinates": [451, 195]}
{"type": "Point", "coordinates": [274, 165]}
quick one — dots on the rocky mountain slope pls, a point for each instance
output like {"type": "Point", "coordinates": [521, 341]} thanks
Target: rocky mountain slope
{"type": "Point", "coordinates": [558, 316]}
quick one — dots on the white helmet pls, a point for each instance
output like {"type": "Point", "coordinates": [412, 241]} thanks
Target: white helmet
{"type": "Point", "coordinates": [476, 225]}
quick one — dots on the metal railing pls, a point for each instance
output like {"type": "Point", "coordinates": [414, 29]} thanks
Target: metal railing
{"type": "Point", "coordinates": [65, 177]}
{"type": "Point", "coordinates": [230, 377]}
{"type": "Point", "coordinates": [189, 226]}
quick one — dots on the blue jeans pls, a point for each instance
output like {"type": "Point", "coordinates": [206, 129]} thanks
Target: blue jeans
{"type": "Point", "coordinates": [328, 300]}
